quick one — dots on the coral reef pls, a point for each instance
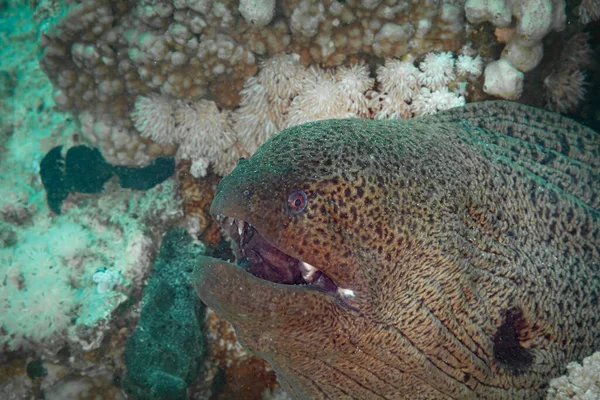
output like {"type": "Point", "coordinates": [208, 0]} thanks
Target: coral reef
{"type": "Point", "coordinates": [206, 82]}
{"type": "Point", "coordinates": [521, 24]}
{"type": "Point", "coordinates": [105, 56]}
{"type": "Point", "coordinates": [581, 382]}
{"type": "Point", "coordinates": [285, 93]}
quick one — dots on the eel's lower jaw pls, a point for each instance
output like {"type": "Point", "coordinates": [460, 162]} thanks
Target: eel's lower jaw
{"type": "Point", "coordinates": [263, 260]}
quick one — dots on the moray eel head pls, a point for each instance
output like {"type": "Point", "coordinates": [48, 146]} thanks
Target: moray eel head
{"type": "Point", "coordinates": [316, 289]}
{"type": "Point", "coordinates": [281, 213]}
{"type": "Point", "coordinates": [299, 274]}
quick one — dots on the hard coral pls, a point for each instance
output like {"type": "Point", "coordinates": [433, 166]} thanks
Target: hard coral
{"type": "Point", "coordinates": [533, 20]}
{"type": "Point", "coordinates": [582, 381]}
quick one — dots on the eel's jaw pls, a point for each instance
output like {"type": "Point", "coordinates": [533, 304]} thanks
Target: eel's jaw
{"type": "Point", "coordinates": [247, 302]}
{"type": "Point", "coordinates": [259, 257]}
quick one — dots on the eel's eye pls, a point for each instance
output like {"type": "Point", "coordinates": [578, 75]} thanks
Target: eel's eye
{"type": "Point", "coordinates": [297, 201]}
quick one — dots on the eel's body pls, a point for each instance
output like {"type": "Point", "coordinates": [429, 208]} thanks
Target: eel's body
{"type": "Point", "coordinates": [454, 256]}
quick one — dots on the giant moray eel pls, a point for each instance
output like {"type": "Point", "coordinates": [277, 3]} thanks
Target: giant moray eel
{"type": "Point", "coordinates": [450, 257]}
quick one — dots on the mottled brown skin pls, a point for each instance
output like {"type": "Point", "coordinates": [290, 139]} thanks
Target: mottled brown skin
{"type": "Point", "coordinates": [471, 240]}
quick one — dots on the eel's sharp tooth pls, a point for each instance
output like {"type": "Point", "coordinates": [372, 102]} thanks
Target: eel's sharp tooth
{"type": "Point", "coordinates": [241, 226]}
{"type": "Point", "coordinates": [308, 271]}
{"type": "Point", "coordinates": [345, 292]}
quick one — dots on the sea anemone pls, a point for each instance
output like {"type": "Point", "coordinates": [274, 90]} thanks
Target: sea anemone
{"type": "Point", "coordinates": [398, 79]}
{"type": "Point", "coordinates": [282, 76]}
{"type": "Point", "coordinates": [257, 118]}
{"type": "Point", "coordinates": [398, 84]}
{"type": "Point", "coordinates": [588, 11]}
{"type": "Point", "coordinates": [565, 89]}
{"type": "Point", "coordinates": [354, 78]}
{"type": "Point", "coordinates": [354, 81]}
{"type": "Point", "coordinates": [321, 98]}
{"type": "Point", "coordinates": [565, 86]}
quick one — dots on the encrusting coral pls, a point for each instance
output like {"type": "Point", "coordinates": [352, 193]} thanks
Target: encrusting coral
{"type": "Point", "coordinates": [65, 277]}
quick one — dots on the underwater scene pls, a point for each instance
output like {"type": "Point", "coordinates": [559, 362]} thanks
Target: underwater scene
{"type": "Point", "coordinates": [299, 199]}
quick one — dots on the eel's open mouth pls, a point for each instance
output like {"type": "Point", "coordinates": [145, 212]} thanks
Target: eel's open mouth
{"type": "Point", "coordinates": [265, 261]}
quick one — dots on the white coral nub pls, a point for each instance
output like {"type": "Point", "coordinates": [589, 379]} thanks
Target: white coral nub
{"type": "Point", "coordinates": [503, 80]}
{"type": "Point", "coordinates": [257, 12]}
{"type": "Point", "coordinates": [533, 20]}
